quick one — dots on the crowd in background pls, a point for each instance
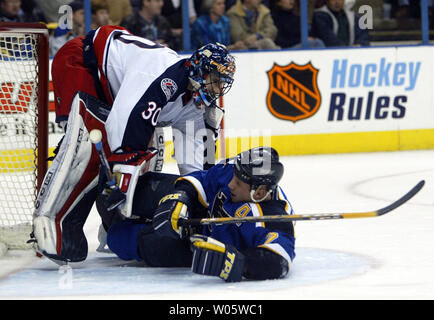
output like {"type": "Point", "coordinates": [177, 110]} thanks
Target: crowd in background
{"type": "Point", "coordinates": [239, 24]}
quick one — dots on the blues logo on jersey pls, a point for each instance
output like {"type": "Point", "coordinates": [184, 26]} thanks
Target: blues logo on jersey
{"type": "Point", "coordinates": [214, 194]}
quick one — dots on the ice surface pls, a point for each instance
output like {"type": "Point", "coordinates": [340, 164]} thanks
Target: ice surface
{"type": "Point", "coordinates": [389, 257]}
{"type": "Point", "coordinates": [103, 274]}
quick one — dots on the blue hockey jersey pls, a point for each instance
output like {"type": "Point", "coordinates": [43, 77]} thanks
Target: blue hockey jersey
{"type": "Point", "coordinates": [213, 193]}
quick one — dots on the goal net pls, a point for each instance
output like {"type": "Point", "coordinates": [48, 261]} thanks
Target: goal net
{"type": "Point", "coordinates": [23, 127]}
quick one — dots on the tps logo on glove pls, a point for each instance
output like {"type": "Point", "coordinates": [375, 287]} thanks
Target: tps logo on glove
{"type": "Point", "coordinates": [229, 261]}
{"type": "Point", "coordinates": [173, 196]}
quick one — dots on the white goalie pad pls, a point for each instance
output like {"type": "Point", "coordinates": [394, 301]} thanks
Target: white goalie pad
{"type": "Point", "coordinates": [61, 180]}
{"type": "Point", "coordinates": [44, 230]}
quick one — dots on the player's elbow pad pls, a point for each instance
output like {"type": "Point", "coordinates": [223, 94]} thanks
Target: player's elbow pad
{"type": "Point", "coordinates": [189, 189]}
{"type": "Point", "coordinates": [263, 264]}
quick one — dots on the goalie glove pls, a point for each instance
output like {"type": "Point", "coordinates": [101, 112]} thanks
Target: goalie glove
{"type": "Point", "coordinates": [170, 209]}
{"type": "Point", "coordinates": [127, 169]}
{"type": "Point", "coordinates": [214, 258]}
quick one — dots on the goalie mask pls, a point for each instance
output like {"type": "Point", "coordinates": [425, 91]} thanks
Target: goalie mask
{"type": "Point", "coordinates": [211, 73]}
{"type": "Point", "coordinates": [259, 166]}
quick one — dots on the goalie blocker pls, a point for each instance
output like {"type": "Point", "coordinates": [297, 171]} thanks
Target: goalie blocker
{"type": "Point", "coordinates": [72, 183]}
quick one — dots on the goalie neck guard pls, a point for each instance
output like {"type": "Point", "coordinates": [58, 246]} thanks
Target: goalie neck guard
{"type": "Point", "coordinates": [259, 166]}
{"type": "Point", "coordinates": [209, 68]}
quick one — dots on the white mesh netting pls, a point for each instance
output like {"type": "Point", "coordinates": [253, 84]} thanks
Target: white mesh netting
{"type": "Point", "coordinates": [18, 136]}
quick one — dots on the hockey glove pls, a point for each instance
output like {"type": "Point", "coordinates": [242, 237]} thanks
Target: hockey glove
{"type": "Point", "coordinates": [171, 208]}
{"type": "Point", "coordinates": [213, 258]}
{"type": "Point", "coordinates": [127, 168]}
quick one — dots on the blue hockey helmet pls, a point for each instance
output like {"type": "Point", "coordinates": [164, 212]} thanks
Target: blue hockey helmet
{"type": "Point", "coordinates": [211, 72]}
{"type": "Point", "coordinates": [259, 166]}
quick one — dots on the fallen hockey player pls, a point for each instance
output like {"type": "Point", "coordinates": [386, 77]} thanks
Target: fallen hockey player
{"type": "Point", "coordinates": [244, 186]}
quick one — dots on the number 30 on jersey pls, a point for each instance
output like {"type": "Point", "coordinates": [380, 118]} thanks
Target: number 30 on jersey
{"type": "Point", "coordinates": [152, 113]}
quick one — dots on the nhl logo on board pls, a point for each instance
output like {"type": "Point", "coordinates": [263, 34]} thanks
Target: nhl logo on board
{"type": "Point", "coordinates": [293, 92]}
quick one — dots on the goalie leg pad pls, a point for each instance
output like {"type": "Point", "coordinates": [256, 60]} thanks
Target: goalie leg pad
{"type": "Point", "coordinates": [73, 241]}
{"type": "Point", "coordinates": [108, 218]}
{"type": "Point", "coordinates": [66, 196]}
{"type": "Point", "coordinates": [44, 229]}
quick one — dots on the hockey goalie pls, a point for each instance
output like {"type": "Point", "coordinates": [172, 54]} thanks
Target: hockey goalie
{"type": "Point", "coordinates": [126, 87]}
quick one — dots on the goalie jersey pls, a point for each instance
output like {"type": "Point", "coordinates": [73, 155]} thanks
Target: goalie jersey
{"type": "Point", "coordinates": [145, 84]}
{"type": "Point", "coordinates": [213, 193]}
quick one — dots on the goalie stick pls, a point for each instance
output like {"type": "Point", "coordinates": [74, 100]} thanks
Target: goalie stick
{"type": "Point", "coordinates": [314, 216]}
{"type": "Point", "coordinates": [116, 196]}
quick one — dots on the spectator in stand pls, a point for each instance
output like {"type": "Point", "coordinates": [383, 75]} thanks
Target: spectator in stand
{"type": "Point", "coordinates": [230, 3]}
{"type": "Point", "coordinates": [288, 26]}
{"type": "Point", "coordinates": [100, 14]}
{"type": "Point", "coordinates": [62, 35]}
{"type": "Point", "coordinates": [32, 12]}
{"type": "Point", "coordinates": [148, 22]}
{"type": "Point", "coordinates": [213, 26]}
{"type": "Point", "coordinates": [118, 10]}
{"type": "Point", "coordinates": [337, 26]}
{"type": "Point", "coordinates": [251, 22]}
{"type": "Point", "coordinates": [407, 13]}
{"type": "Point", "coordinates": [406, 8]}
{"type": "Point", "coordinates": [50, 8]}
{"type": "Point", "coordinates": [11, 11]}
{"type": "Point", "coordinates": [135, 4]}
{"type": "Point", "coordinates": [172, 10]}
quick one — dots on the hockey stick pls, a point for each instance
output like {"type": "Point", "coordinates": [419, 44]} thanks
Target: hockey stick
{"type": "Point", "coordinates": [314, 216]}
{"type": "Point", "coordinates": [116, 197]}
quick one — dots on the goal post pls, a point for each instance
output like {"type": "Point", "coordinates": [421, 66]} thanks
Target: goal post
{"type": "Point", "coordinates": [24, 79]}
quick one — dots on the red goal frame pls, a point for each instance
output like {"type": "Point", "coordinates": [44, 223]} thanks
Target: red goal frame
{"type": "Point", "coordinates": [41, 31]}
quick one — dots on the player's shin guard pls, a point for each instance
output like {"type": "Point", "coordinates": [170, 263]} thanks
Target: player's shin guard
{"type": "Point", "coordinates": [69, 188]}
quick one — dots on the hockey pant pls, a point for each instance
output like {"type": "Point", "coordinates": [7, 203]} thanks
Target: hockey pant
{"type": "Point", "coordinates": [70, 185]}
